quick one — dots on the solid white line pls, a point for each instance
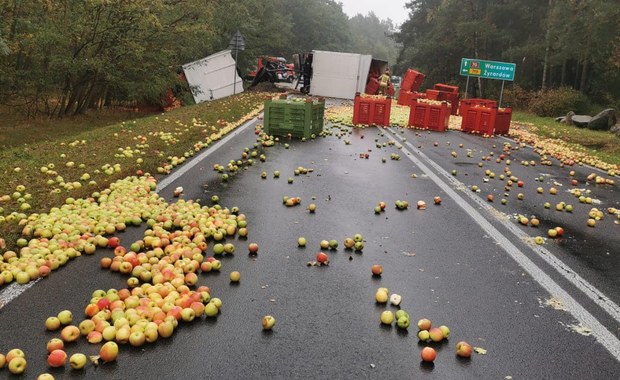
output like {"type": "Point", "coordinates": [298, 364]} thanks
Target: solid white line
{"type": "Point", "coordinates": [602, 334]}
{"type": "Point", "coordinates": [13, 291]}
{"type": "Point", "coordinates": [196, 160]}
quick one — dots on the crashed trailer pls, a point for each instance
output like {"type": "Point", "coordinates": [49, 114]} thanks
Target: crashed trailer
{"type": "Point", "coordinates": [213, 77]}
{"type": "Point", "coordinates": [341, 75]}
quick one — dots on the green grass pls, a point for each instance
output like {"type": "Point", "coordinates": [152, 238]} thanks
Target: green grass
{"type": "Point", "coordinates": [602, 145]}
{"type": "Point", "coordinates": [93, 146]}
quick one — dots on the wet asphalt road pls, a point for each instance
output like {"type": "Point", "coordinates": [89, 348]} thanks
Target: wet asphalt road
{"type": "Point", "coordinates": [446, 266]}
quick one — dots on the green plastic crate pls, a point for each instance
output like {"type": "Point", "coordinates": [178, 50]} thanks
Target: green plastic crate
{"type": "Point", "coordinates": [297, 117]}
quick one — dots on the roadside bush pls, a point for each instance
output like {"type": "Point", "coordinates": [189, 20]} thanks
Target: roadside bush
{"type": "Point", "coordinates": [517, 97]}
{"type": "Point", "coordinates": [558, 102]}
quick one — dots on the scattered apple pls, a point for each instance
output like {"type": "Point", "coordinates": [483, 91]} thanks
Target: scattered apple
{"type": "Point", "coordinates": [77, 361]}
{"type": "Point", "coordinates": [377, 270]}
{"type": "Point", "coordinates": [387, 317]}
{"type": "Point", "coordinates": [235, 276]}
{"type": "Point", "coordinates": [464, 349]}
{"type": "Point", "coordinates": [57, 358]}
{"type": "Point", "coordinates": [268, 322]}
{"type": "Point", "coordinates": [428, 354]}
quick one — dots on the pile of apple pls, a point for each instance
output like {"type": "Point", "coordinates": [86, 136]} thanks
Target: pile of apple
{"type": "Point", "coordinates": [78, 227]}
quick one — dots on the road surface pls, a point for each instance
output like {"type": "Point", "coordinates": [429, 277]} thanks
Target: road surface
{"type": "Point", "coordinates": [539, 311]}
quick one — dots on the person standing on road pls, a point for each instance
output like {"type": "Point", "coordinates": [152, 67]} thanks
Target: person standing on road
{"type": "Point", "coordinates": [384, 82]}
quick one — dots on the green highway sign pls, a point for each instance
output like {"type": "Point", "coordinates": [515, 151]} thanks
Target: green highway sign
{"type": "Point", "coordinates": [488, 69]}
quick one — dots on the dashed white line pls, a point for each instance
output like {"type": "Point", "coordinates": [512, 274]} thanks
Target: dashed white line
{"type": "Point", "coordinates": [600, 332]}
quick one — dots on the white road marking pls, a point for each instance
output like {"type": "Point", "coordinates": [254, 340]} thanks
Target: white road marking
{"type": "Point", "coordinates": [600, 332]}
{"type": "Point", "coordinates": [13, 291]}
{"type": "Point", "coordinates": [196, 160]}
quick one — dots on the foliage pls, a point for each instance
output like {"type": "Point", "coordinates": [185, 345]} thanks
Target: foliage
{"type": "Point", "coordinates": [555, 102]}
{"type": "Point", "coordinates": [573, 43]}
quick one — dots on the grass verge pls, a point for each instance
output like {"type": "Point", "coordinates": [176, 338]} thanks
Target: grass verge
{"type": "Point", "coordinates": [42, 171]}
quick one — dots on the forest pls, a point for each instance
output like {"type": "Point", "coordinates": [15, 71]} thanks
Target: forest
{"type": "Point", "coordinates": [64, 57]}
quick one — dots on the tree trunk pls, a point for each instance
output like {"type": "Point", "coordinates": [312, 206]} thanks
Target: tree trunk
{"type": "Point", "coordinates": [584, 75]}
{"type": "Point", "coordinates": [563, 74]}
{"type": "Point", "coordinates": [547, 48]}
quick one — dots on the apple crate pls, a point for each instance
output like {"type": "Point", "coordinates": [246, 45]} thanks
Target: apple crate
{"type": "Point", "coordinates": [502, 121]}
{"type": "Point", "coordinates": [405, 97]}
{"type": "Point", "coordinates": [295, 117]}
{"type": "Point", "coordinates": [479, 120]}
{"type": "Point", "coordinates": [372, 87]}
{"type": "Point", "coordinates": [465, 104]}
{"type": "Point", "coordinates": [412, 80]}
{"type": "Point", "coordinates": [372, 110]}
{"type": "Point", "coordinates": [449, 94]}
{"type": "Point", "coordinates": [434, 117]}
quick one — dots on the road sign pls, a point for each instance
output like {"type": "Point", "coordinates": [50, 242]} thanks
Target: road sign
{"type": "Point", "coordinates": [237, 42]}
{"type": "Point", "coordinates": [488, 69]}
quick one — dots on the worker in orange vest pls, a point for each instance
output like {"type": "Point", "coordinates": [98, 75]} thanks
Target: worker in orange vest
{"type": "Point", "coordinates": [384, 82]}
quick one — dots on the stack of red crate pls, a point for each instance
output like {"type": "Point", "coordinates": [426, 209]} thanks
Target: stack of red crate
{"type": "Point", "coordinates": [411, 84]}
{"type": "Point", "coordinates": [434, 117]}
{"type": "Point", "coordinates": [446, 93]}
{"type": "Point", "coordinates": [482, 116]}
{"type": "Point", "coordinates": [372, 110]}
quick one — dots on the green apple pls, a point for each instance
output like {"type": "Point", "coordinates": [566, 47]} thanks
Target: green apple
{"type": "Point", "coordinates": [268, 322]}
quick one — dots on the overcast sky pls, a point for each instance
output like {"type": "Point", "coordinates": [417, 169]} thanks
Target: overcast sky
{"type": "Point", "coordinates": [393, 9]}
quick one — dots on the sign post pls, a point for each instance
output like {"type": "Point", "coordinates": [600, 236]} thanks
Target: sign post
{"type": "Point", "coordinates": [503, 71]}
{"type": "Point", "coordinates": [237, 42]}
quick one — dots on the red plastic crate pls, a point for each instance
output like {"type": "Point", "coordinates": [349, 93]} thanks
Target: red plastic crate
{"type": "Point", "coordinates": [372, 87]}
{"type": "Point", "coordinates": [372, 111]}
{"type": "Point", "coordinates": [502, 121]}
{"type": "Point", "coordinates": [429, 116]}
{"type": "Point", "coordinates": [412, 80]}
{"type": "Point", "coordinates": [479, 120]}
{"type": "Point", "coordinates": [405, 97]}
{"type": "Point", "coordinates": [465, 104]}
{"type": "Point", "coordinates": [432, 94]}
{"type": "Point", "coordinates": [447, 93]}
{"type": "Point", "coordinates": [446, 88]}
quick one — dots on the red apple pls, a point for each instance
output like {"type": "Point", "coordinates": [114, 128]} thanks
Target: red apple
{"type": "Point", "coordinates": [70, 333]}
{"type": "Point", "coordinates": [560, 231]}
{"type": "Point", "coordinates": [464, 349]}
{"type": "Point", "coordinates": [322, 258]}
{"type": "Point", "coordinates": [114, 242]}
{"type": "Point", "coordinates": [424, 324]}
{"type": "Point", "coordinates": [108, 352]}
{"type": "Point", "coordinates": [55, 344]}
{"type": "Point", "coordinates": [428, 354]}
{"type": "Point", "coordinates": [436, 334]}
{"type": "Point", "coordinates": [253, 248]}
{"type": "Point", "coordinates": [376, 270]}
{"type": "Point", "coordinates": [57, 358]}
